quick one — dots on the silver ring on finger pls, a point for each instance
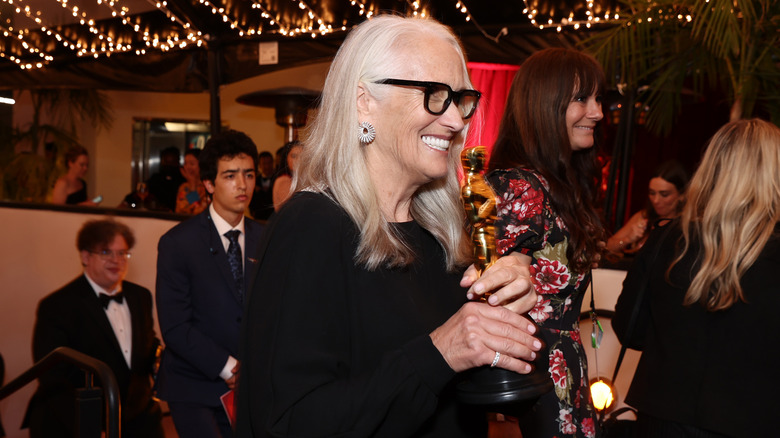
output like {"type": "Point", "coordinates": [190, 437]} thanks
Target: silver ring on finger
{"type": "Point", "coordinates": [495, 360]}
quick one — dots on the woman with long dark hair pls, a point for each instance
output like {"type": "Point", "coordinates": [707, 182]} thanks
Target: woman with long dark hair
{"type": "Point", "coordinates": [545, 174]}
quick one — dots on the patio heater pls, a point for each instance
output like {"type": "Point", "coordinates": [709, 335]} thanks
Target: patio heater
{"type": "Point", "coordinates": [292, 105]}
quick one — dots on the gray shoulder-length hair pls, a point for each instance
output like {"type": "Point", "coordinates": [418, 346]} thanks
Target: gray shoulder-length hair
{"type": "Point", "coordinates": [333, 161]}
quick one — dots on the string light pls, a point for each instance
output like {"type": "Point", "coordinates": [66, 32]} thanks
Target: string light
{"type": "Point", "coordinates": [103, 44]}
{"type": "Point", "coordinates": [570, 21]}
{"type": "Point", "coordinates": [33, 48]}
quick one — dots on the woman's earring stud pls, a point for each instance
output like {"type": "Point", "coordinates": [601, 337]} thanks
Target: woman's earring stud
{"type": "Point", "coordinates": [366, 133]}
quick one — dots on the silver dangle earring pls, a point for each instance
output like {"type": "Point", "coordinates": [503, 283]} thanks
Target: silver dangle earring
{"type": "Point", "coordinates": [366, 132]}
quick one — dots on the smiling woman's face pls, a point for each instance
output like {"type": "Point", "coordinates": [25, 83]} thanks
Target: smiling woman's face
{"type": "Point", "coordinates": [191, 167]}
{"type": "Point", "coordinates": [412, 142]}
{"type": "Point", "coordinates": [582, 115]}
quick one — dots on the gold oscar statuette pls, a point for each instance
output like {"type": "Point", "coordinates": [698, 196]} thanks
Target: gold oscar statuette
{"type": "Point", "coordinates": [480, 204]}
{"type": "Point", "coordinates": [499, 389]}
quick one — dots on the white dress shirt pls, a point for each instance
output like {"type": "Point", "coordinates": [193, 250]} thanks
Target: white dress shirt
{"type": "Point", "coordinates": [223, 227]}
{"type": "Point", "coordinates": [119, 317]}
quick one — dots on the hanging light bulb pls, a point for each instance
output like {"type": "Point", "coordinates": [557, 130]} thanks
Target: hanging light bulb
{"type": "Point", "coordinates": [602, 393]}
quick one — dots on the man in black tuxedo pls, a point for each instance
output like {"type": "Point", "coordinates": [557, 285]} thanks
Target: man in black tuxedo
{"type": "Point", "coordinates": [103, 316]}
{"type": "Point", "coordinates": [201, 290]}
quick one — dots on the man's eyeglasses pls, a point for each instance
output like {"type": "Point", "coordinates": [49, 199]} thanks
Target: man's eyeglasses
{"type": "Point", "coordinates": [107, 254]}
{"type": "Point", "coordinates": [438, 96]}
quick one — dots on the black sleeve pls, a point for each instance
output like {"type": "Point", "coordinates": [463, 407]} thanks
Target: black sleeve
{"type": "Point", "coordinates": [632, 312]}
{"type": "Point", "coordinates": [302, 372]}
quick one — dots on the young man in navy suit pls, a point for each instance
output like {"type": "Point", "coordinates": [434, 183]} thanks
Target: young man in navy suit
{"type": "Point", "coordinates": [103, 316]}
{"type": "Point", "coordinates": [202, 268]}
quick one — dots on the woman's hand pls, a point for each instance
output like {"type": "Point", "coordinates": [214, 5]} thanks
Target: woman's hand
{"type": "Point", "coordinates": [472, 336]}
{"type": "Point", "coordinates": [508, 280]}
{"type": "Point", "coordinates": [630, 234]}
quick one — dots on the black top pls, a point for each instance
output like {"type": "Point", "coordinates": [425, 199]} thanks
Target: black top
{"type": "Point", "coordinates": [79, 196]}
{"type": "Point", "coordinates": [331, 349]}
{"type": "Point", "coordinates": [712, 370]}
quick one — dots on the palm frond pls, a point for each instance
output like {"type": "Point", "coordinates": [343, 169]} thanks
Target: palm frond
{"type": "Point", "coordinates": [671, 46]}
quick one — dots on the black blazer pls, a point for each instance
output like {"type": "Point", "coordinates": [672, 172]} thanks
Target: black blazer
{"type": "Point", "coordinates": [74, 317]}
{"type": "Point", "coordinates": [712, 370]}
{"type": "Point", "coordinates": [199, 308]}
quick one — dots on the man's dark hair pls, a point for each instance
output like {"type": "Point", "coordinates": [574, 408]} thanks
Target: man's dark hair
{"type": "Point", "coordinates": [265, 154]}
{"type": "Point", "coordinates": [227, 144]}
{"type": "Point", "coordinates": [98, 234]}
{"type": "Point", "coordinates": [171, 151]}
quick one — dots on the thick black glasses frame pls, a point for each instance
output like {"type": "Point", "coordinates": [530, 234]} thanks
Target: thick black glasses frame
{"type": "Point", "coordinates": [431, 87]}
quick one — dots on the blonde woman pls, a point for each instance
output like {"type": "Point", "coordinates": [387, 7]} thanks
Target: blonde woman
{"type": "Point", "coordinates": [71, 188]}
{"type": "Point", "coordinates": [707, 323]}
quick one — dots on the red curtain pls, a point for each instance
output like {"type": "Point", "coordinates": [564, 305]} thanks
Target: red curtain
{"type": "Point", "coordinates": [493, 81]}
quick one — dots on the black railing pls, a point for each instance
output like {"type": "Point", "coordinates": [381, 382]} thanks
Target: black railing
{"type": "Point", "coordinates": [90, 366]}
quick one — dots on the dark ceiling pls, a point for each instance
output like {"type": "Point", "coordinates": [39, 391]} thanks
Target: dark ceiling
{"type": "Point", "coordinates": [144, 46]}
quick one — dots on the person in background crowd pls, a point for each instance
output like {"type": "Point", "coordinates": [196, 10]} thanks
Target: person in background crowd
{"type": "Point", "coordinates": [192, 198]}
{"type": "Point", "coordinates": [279, 160]}
{"type": "Point", "coordinates": [358, 322]}
{"type": "Point", "coordinates": [262, 206]}
{"type": "Point", "coordinates": [666, 195]}
{"type": "Point", "coordinates": [164, 185]}
{"type": "Point", "coordinates": [201, 289]}
{"type": "Point", "coordinates": [284, 176]}
{"type": "Point", "coordinates": [545, 174]}
{"type": "Point", "coordinates": [71, 188]}
{"type": "Point", "coordinates": [103, 316]}
{"type": "Point", "coordinates": [706, 320]}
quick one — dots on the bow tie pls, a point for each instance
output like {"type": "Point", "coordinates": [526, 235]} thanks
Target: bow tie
{"type": "Point", "coordinates": [106, 299]}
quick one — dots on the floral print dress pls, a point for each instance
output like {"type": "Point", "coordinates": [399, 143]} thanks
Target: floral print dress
{"type": "Point", "coordinates": [527, 223]}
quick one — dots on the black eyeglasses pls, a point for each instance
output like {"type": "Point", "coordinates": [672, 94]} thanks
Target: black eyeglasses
{"type": "Point", "coordinates": [438, 96]}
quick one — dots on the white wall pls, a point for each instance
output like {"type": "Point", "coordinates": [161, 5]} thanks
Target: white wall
{"type": "Point", "coordinates": [111, 151]}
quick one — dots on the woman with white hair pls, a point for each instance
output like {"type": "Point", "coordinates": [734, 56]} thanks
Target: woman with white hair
{"type": "Point", "coordinates": [359, 322]}
{"type": "Point", "coordinates": [707, 321]}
